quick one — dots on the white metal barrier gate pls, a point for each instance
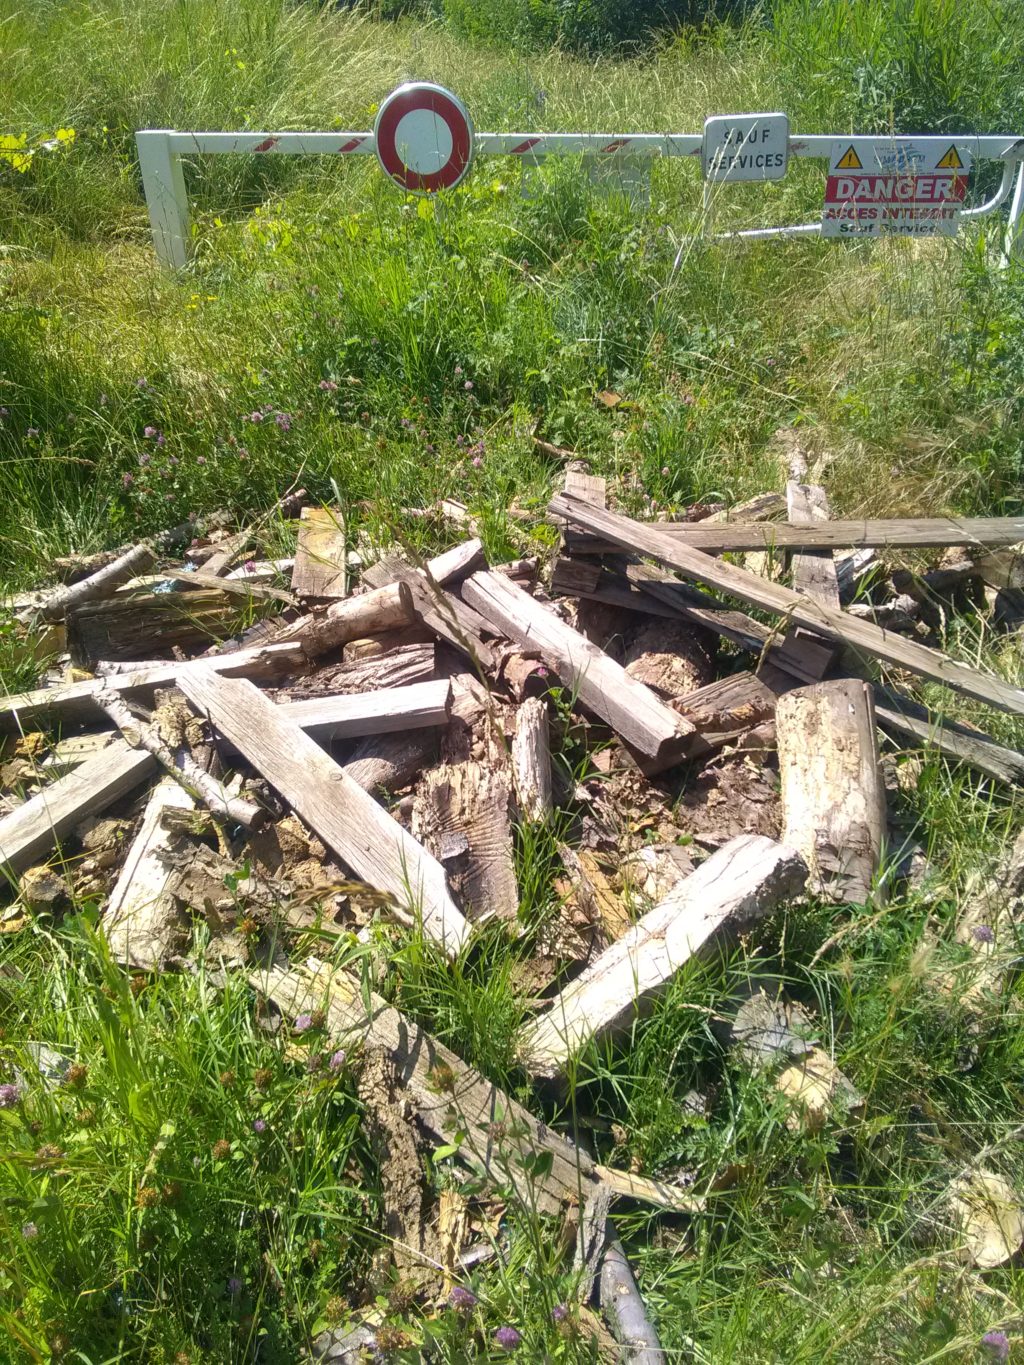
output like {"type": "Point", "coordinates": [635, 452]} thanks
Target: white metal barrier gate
{"type": "Point", "coordinates": [424, 140]}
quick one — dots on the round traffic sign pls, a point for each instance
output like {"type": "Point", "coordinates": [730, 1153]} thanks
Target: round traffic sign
{"type": "Point", "coordinates": [424, 137]}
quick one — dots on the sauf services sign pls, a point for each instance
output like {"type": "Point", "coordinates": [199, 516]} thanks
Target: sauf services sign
{"type": "Point", "coordinates": [915, 189]}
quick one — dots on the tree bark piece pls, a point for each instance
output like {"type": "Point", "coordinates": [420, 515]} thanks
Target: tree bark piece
{"type": "Point", "coordinates": [384, 609]}
{"type": "Point", "coordinates": [531, 761]}
{"type": "Point", "coordinates": [142, 922]}
{"type": "Point", "coordinates": [77, 701]}
{"type": "Point", "coordinates": [743, 880]}
{"type": "Point", "coordinates": [602, 685]}
{"type": "Point", "coordinates": [182, 766]}
{"type": "Point", "coordinates": [373, 713]}
{"type": "Point", "coordinates": [833, 797]}
{"type": "Point", "coordinates": [349, 821]}
{"type": "Point", "coordinates": [101, 584]}
{"type": "Point", "coordinates": [624, 1307]}
{"type": "Point", "coordinates": [321, 563]}
{"type": "Point", "coordinates": [798, 607]}
{"type": "Point", "coordinates": [31, 831]}
{"type": "Point", "coordinates": [403, 666]}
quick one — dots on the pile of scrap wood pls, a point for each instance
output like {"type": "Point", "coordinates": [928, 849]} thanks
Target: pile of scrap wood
{"type": "Point", "coordinates": [364, 750]}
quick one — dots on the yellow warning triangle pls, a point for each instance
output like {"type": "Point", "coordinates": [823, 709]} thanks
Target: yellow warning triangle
{"type": "Point", "coordinates": [950, 162]}
{"type": "Point", "coordinates": [850, 161]}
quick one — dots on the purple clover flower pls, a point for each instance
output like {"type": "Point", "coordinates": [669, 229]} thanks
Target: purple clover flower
{"type": "Point", "coordinates": [256, 417]}
{"type": "Point", "coordinates": [468, 387]}
{"type": "Point", "coordinates": [328, 385]}
{"type": "Point", "coordinates": [462, 1299]}
{"type": "Point", "coordinates": [249, 566]}
{"type": "Point", "coordinates": [141, 384]}
{"type": "Point", "coordinates": [458, 371]}
{"type": "Point", "coordinates": [243, 454]}
{"type": "Point", "coordinates": [234, 1286]}
{"type": "Point", "coordinates": [302, 1022]}
{"type": "Point", "coordinates": [477, 462]}
{"type": "Point", "coordinates": [665, 471]}
{"type": "Point", "coordinates": [31, 432]}
{"type": "Point", "coordinates": [10, 1095]}
{"type": "Point", "coordinates": [161, 440]}
{"type": "Point", "coordinates": [997, 1344]}
{"type": "Point", "coordinates": [259, 1125]}
{"type": "Point", "coordinates": [29, 1230]}
{"type": "Point", "coordinates": [337, 1060]}
{"type": "Point", "coordinates": [559, 1313]}
{"type": "Point", "coordinates": [200, 459]}
{"type": "Point", "coordinates": [984, 933]}
{"type": "Point", "coordinates": [284, 421]}
{"type": "Point", "coordinates": [149, 432]}
{"type": "Point", "coordinates": [508, 1338]}
{"type": "Point", "coordinates": [127, 480]}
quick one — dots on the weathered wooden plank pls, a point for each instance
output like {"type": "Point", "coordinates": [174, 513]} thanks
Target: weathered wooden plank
{"type": "Point", "coordinates": [814, 571]}
{"type": "Point", "coordinates": [349, 821]}
{"type": "Point", "coordinates": [499, 1137]}
{"type": "Point", "coordinates": [226, 552]}
{"type": "Point", "coordinates": [602, 685]}
{"type": "Point", "coordinates": [743, 880]}
{"type": "Point", "coordinates": [833, 797]}
{"type": "Point", "coordinates": [31, 831]}
{"type": "Point", "coordinates": [321, 564]}
{"type": "Point", "coordinates": [98, 585]}
{"type": "Point", "coordinates": [724, 710]}
{"type": "Point", "coordinates": [531, 760]}
{"type": "Point", "coordinates": [373, 713]}
{"type": "Point", "coordinates": [798, 607]}
{"type": "Point", "coordinates": [955, 741]}
{"type": "Point", "coordinates": [77, 701]}
{"type": "Point", "coordinates": [906, 533]}
{"type": "Point", "coordinates": [445, 568]}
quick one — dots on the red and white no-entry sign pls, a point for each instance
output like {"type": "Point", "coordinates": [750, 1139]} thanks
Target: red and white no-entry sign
{"type": "Point", "coordinates": [424, 137]}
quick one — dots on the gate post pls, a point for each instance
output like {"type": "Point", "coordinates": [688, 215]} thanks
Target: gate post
{"type": "Point", "coordinates": [164, 186]}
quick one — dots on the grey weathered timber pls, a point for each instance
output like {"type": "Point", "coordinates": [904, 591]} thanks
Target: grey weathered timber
{"type": "Point", "coordinates": [347, 818]}
{"type": "Point", "coordinates": [321, 560]}
{"type": "Point", "coordinates": [795, 606]}
{"type": "Point", "coordinates": [602, 685]}
{"type": "Point", "coordinates": [31, 831]}
{"type": "Point", "coordinates": [741, 881]}
{"type": "Point", "coordinates": [373, 713]}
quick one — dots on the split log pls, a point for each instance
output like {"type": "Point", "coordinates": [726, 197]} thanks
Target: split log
{"type": "Point", "coordinates": [461, 816]}
{"type": "Point", "coordinates": [384, 609]}
{"type": "Point", "coordinates": [349, 821]}
{"type": "Point", "coordinates": [98, 585]}
{"type": "Point", "coordinates": [321, 564]}
{"type": "Point", "coordinates": [144, 624]}
{"type": "Point", "coordinates": [143, 924]}
{"type": "Point", "coordinates": [740, 882]}
{"type": "Point", "coordinates": [373, 713]}
{"type": "Point", "coordinates": [833, 796]}
{"type": "Point", "coordinates": [31, 831]}
{"type": "Point", "coordinates": [624, 1307]}
{"type": "Point", "coordinates": [181, 766]}
{"type": "Point", "coordinates": [77, 701]}
{"type": "Point", "coordinates": [796, 606]}
{"type": "Point", "coordinates": [387, 763]}
{"type": "Point", "coordinates": [402, 666]}
{"type": "Point", "coordinates": [632, 710]}
{"type": "Point", "coordinates": [531, 761]}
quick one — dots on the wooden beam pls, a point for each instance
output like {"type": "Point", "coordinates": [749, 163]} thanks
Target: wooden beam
{"type": "Point", "coordinates": [602, 685]}
{"type": "Point", "coordinates": [814, 571]}
{"type": "Point", "coordinates": [741, 881]}
{"type": "Point", "coordinates": [321, 563]}
{"type": "Point", "coordinates": [373, 713]}
{"type": "Point", "coordinates": [531, 761]}
{"type": "Point", "coordinates": [897, 533]}
{"type": "Point", "coordinates": [447, 567]}
{"type": "Point", "coordinates": [798, 607]}
{"type": "Point", "coordinates": [349, 821]}
{"type": "Point", "coordinates": [77, 701]}
{"type": "Point", "coordinates": [955, 741]}
{"type": "Point", "coordinates": [31, 831]}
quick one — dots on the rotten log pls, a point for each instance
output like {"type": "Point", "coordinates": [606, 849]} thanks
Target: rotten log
{"type": "Point", "coordinates": [461, 816]}
{"type": "Point", "coordinates": [742, 881]}
{"type": "Point", "coordinates": [602, 685]}
{"type": "Point", "coordinates": [349, 821]}
{"type": "Point", "coordinates": [531, 761]}
{"type": "Point", "coordinates": [98, 585]}
{"type": "Point", "coordinates": [181, 766]}
{"type": "Point", "coordinates": [624, 1307]}
{"type": "Point", "coordinates": [31, 831]}
{"type": "Point", "coordinates": [833, 796]}
{"type": "Point", "coordinates": [386, 763]}
{"type": "Point", "coordinates": [321, 564]}
{"type": "Point", "coordinates": [402, 666]}
{"type": "Point", "coordinates": [797, 607]}
{"type": "Point", "coordinates": [144, 624]}
{"type": "Point", "coordinates": [143, 925]}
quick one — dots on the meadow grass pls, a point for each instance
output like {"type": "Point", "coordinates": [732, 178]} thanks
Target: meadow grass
{"type": "Point", "coordinates": [330, 332]}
